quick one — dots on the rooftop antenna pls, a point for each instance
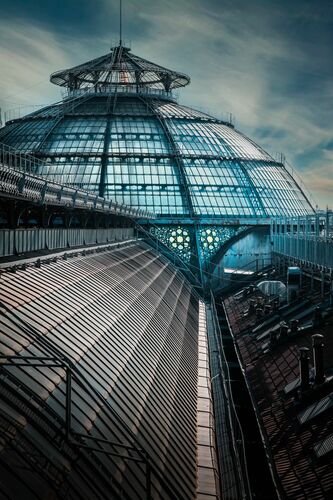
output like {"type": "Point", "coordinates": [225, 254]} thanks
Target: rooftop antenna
{"type": "Point", "coordinates": [120, 23]}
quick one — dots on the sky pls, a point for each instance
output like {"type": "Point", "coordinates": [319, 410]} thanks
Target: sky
{"type": "Point", "coordinates": [268, 62]}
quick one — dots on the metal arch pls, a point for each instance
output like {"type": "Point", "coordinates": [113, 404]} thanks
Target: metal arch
{"type": "Point", "coordinates": [109, 114]}
{"type": "Point", "coordinates": [297, 182]}
{"type": "Point", "coordinates": [185, 188]}
{"type": "Point", "coordinates": [104, 158]}
{"type": "Point", "coordinates": [212, 263]}
{"type": "Point", "coordinates": [223, 248]}
{"type": "Point", "coordinates": [251, 191]}
{"type": "Point", "coordinates": [185, 269]}
{"type": "Point", "coordinates": [185, 191]}
{"type": "Point", "coordinates": [48, 134]}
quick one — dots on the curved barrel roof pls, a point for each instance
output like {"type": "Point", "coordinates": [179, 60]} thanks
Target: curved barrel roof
{"type": "Point", "coordinates": [125, 323]}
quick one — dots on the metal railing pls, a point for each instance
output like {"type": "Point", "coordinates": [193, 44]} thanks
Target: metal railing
{"type": "Point", "coordinates": [18, 180]}
{"type": "Point", "coordinates": [297, 179]}
{"type": "Point", "coordinates": [237, 478]}
{"type": "Point", "coordinates": [23, 162]}
{"type": "Point", "coordinates": [22, 111]}
{"type": "Point", "coordinates": [111, 89]}
{"type": "Point", "coordinates": [318, 225]}
{"type": "Point", "coordinates": [307, 238]}
{"type": "Point", "coordinates": [127, 452]}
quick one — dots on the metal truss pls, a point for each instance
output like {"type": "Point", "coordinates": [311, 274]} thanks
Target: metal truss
{"type": "Point", "coordinates": [19, 183]}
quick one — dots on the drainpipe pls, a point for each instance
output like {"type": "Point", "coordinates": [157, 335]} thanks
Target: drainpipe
{"type": "Point", "coordinates": [304, 361]}
{"type": "Point", "coordinates": [318, 358]}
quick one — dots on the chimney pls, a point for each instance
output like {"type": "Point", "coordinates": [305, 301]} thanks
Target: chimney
{"type": "Point", "coordinates": [293, 325]}
{"type": "Point", "coordinates": [252, 305]}
{"type": "Point", "coordinates": [304, 360]}
{"type": "Point", "coordinates": [273, 337]}
{"type": "Point", "coordinates": [293, 283]}
{"type": "Point", "coordinates": [317, 317]}
{"type": "Point", "coordinates": [259, 312]}
{"type": "Point", "coordinates": [318, 358]}
{"type": "Point", "coordinates": [283, 329]}
{"type": "Point", "coordinates": [267, 309]}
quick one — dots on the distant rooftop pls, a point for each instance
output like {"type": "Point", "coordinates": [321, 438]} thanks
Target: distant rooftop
{"type": "Point", "coordinates": [297, 430]}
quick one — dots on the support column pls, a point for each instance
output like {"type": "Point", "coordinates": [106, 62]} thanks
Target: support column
{"type": "Point", "coordinates": [322, 288]}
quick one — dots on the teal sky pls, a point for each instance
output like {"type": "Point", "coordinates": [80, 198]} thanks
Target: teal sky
{"type": "Point", "coordinates": [267, 62]}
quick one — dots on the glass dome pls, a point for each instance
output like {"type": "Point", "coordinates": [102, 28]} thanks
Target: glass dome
{"type": "Point", "coordinates": [120, 133]}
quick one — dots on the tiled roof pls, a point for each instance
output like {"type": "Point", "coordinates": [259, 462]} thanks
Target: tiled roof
{"type": "Point", "coordinates": [299, 474]}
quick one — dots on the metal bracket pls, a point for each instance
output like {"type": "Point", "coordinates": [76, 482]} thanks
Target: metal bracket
{"type": "Point", "coordinates": [72, 437]}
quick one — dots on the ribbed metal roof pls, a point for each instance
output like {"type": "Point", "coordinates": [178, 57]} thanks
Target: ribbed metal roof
{"type": "Point", "coordinates": [125, 322]}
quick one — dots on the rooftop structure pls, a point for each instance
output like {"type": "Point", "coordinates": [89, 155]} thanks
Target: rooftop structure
{"type": "Point", "coordinates": [121, 211]}
{"type": "Point", "coordinates": [119, 133]}
{"type": "Point", "coordinates": [286, 352]}
{"type": "Point", "coordinates": [114, 135]}
{"type": "Point", "coordinates": [125, 420]}
{"type": "Point", "coordinates": [119, 68]}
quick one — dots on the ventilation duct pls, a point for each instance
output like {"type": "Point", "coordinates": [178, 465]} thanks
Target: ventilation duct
{"type": "Point", "coordinates": [273, 288]}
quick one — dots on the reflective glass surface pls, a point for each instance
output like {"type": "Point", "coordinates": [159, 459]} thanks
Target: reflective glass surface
{"type": "Point", "coordinates": [157, 155]}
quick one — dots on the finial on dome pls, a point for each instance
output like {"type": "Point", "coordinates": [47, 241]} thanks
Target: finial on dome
{"type": "Point", "coordinates": [120, 23]}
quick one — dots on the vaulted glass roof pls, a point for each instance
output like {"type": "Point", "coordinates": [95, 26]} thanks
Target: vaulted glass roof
{"type": "Point", "coordinates": [119, 132]}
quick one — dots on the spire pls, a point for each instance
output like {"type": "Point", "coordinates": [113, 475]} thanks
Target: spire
{"type": "Point", "coordinates": [120, 23]}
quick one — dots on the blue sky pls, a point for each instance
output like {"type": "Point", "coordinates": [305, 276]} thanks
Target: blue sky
{"type": "Point", "coordinates": [268, 62]}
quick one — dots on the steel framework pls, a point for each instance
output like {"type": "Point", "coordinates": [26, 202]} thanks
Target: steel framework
{"type": "Point", "coordinates": [17, 180]}
{"type": "Point", "coordinates": [307, 238]}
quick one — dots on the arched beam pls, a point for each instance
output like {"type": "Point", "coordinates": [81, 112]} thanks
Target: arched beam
{"type": "Point", "coordinates": [228, 244]}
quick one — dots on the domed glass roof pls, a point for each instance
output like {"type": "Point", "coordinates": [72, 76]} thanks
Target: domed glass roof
{"type": "Point", "coordinates": [120, 133]}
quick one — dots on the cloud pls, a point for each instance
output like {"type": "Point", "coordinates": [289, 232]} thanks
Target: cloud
{"type": "Point", "coordinates": [320, 183]}
{"type": "Point", "coordinates": [268, 63]}
{"type": "Point", "coordinates": [29, 54]}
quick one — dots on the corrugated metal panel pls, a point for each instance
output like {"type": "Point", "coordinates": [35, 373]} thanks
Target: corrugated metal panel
{"type": "Point", "coordinates": [75, 237]}
{"type": "Point", "coordinates": [90, 236]}
{"type": "Point", "coordinates": [315, 409]}
{"type": "Point", "coordinates": [6, 242]}
{"type": "Point", "coordinates": [324, 447]}
{"type": "Point", "coordinates": [56, 238]}
{"type": "Point", "coordinates": [29, 240]}
{"type": "Point", "coordinates": [102, 235]}
{"type": "Point", "coordinates": [129, 323]}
